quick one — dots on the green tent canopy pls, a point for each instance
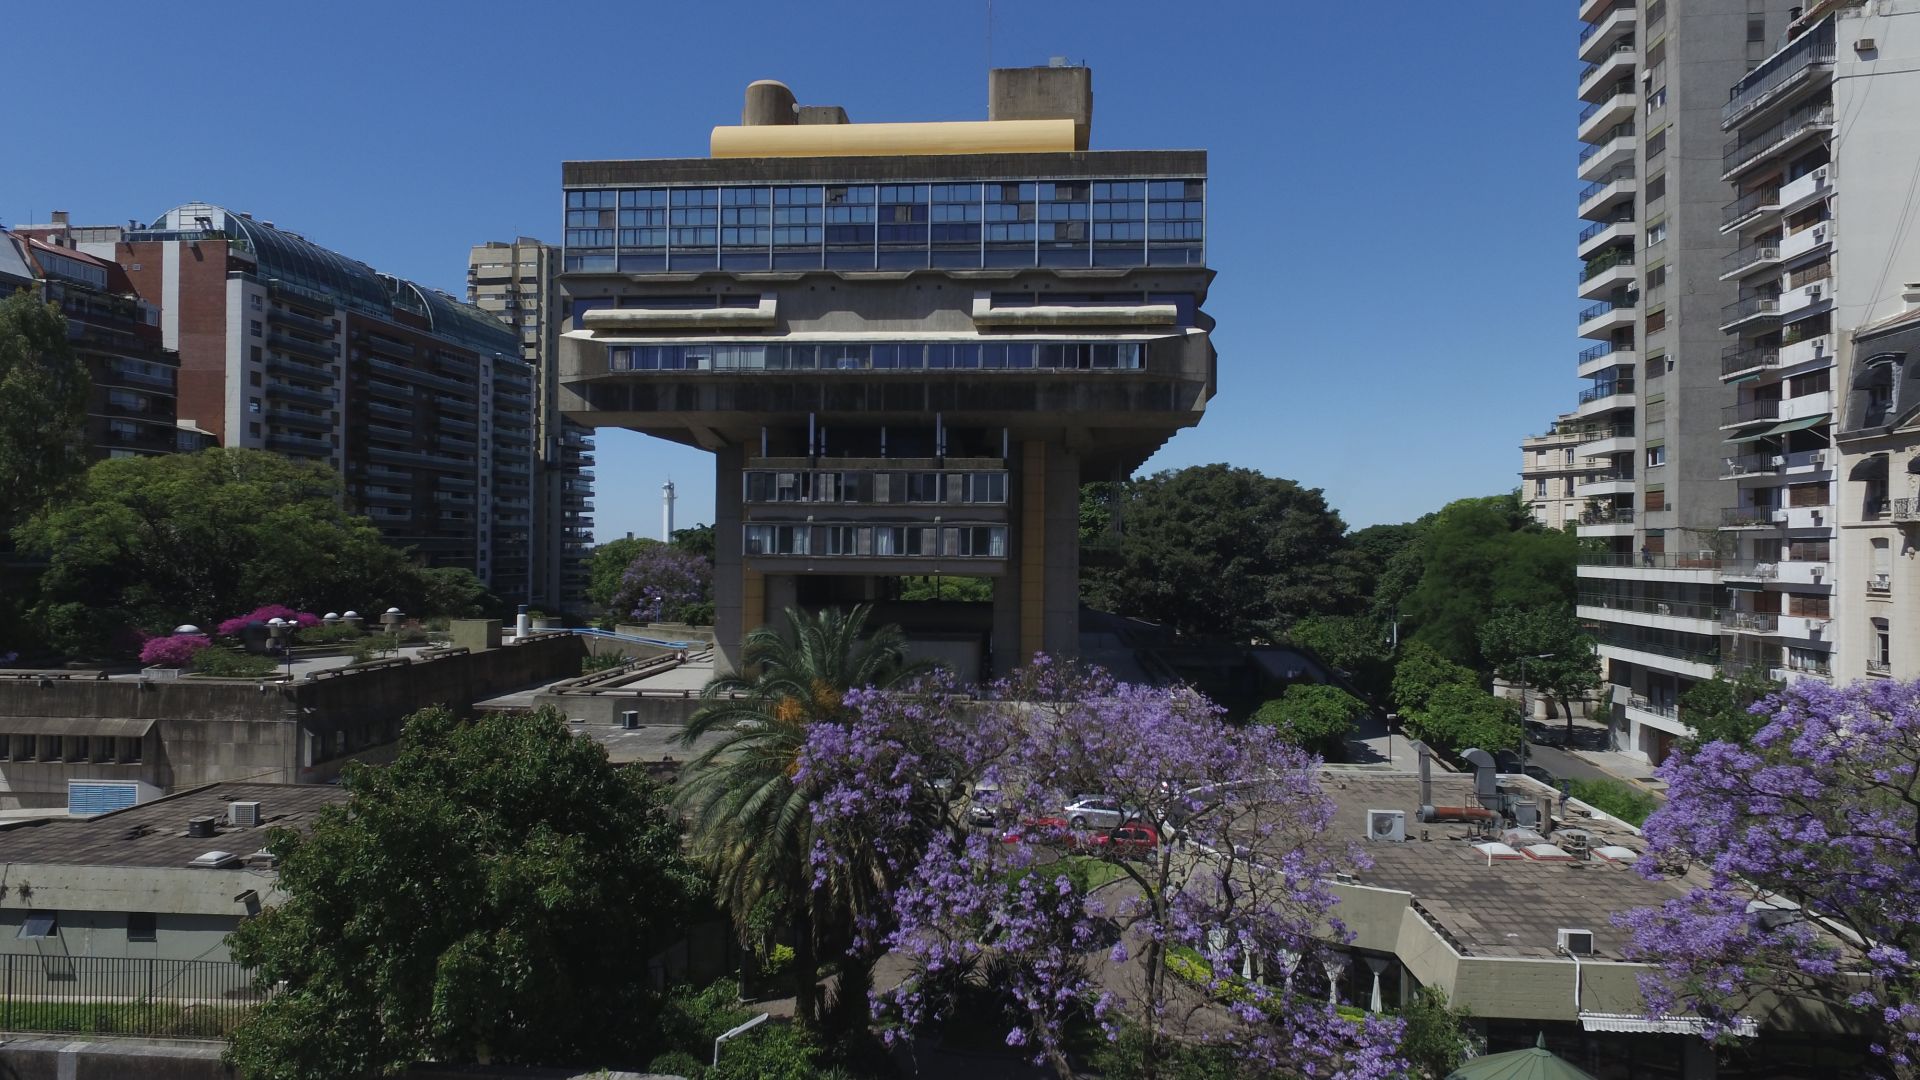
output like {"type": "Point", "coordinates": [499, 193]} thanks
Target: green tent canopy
{"type": "Point", "coordinates": [1534, 1063]}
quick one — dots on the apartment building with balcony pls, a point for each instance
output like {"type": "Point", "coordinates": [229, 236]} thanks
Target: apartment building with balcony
{"type": "Point", "coordinates": [906, 345]}
{"type": "Point", "coordinates": [131, 410]}
{"type": "Point", "coordinates": [1652, 86]}
{"type": "Point", "coordinates": [1852, 75]}
{"type": "Point", "coordinates": [1780, 361]}
{"type": "Point", "coordinates": [289, 347]}
{"type": "Point", "coordinates": [1551, 474]}
{"type": "Point", "coordinates": [514, 280]}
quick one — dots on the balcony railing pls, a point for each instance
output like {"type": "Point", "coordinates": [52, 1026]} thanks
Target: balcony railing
{"type": "Point", "coordinates": [1600, 20]}
{"type": "Point", "coordinates": [1880, 585]}
{"type": "Point", "coordinates": [1612, 476]}
{"type": "Point", "coordinates": [1608, 515]}
{"type": "Point", "coordinates": [1750, 147]}
{"type": "Point", "coordinates": [1625, 86]}
{"type": "Point", "coordinates": [1594, 311]}
{"type": "Point", "coordinates": [1617, 131]}
{"type": "Point", "coordinates": [1598, 432]}
{"type": "Point", "coordinates": [1905, 510]}
{"type": "Point", "coordinates": [1751, 255]}
{"type": "Point", "coordinates": [1652, 560]}
{"type": "Point", "coordinates": [1587, 72]}
{"type": "Point", "coordinates": [1625, 172]}
{"type": "Point", "coordinates": [1589, 355]}
{"type": "Point", "coordinates": [1667, 709]}
{"type": "Point", "coordinates": [1599, 227]}
{"type": "Point", "coordinates": [1596, 267]}
{"type": "Point", "coordinates": [1748, 308]}
{"type": "Point", "coordinates": [1822, 668]}
{"type": "Point", "coordinates": [1660, 646]}
{"type": "Point", "coordinates": [1751, 412]}
{"type": "Point", "coordinates": [1748, 205]}
{"type": "Point", "coordinates": [1879, 667]}
{"type": "Point", "coordinates": [1764, 82]}
{"type": "Point", "coordinates": [1648, 606]}
{"type": "Point", "coordinates": [1750, 569]}
{"type": "Point", "coordinates": [1606, 390]}
{"type": "Point", "coordinates": [1745, 516]}
{"type": "Point", "coordinates": [1751, 465]}
{"type": "Point", "coordinates": [1758, 622]}
{"type": "Point", "coordinates": [1735, 359]}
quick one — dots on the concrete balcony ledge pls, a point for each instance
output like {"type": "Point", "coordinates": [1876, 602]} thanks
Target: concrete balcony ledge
{"type": "Point", "coordinates": [1061, 315]}
{"type": "Point", "coordinates": [764, 314]}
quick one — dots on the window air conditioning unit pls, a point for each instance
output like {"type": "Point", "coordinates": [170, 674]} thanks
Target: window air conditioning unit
{"type": "Point", "coordinates": [1813, 292]}
{"type": "Point", "coordinates": [1576, 942]}
{"type": "Point", "coordinates": [243, 814]}
{"type": "Point", "coordinates": [1387, 825]}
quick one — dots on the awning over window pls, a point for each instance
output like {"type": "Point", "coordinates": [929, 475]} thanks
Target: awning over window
{"type": "Point", "coordinates": [1869, 468]}
{"type": "Point", "coordinates": [1801, 424]}
{"type": "Point", "coordinates": [1752, 435]}
{"type": "Point", "coordinates": [40, 925]}
{"type": "Point", "coordinates": [75, 725]}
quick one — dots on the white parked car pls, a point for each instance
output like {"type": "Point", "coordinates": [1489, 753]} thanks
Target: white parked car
{"type": "Point", "coordinates": [1098, 812]}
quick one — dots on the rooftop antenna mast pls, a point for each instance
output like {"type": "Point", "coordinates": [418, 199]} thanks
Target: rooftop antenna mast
{"type": "Point", "coordinates": [989, 35]}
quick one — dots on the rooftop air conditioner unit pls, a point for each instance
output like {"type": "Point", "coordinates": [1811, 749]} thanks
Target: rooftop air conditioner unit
{"type": "Point", "coordinates": [1387, 825]}
{"type": "Point", "coordinates": [243, 814]}
{"type": "Point", "coordinates": [1576, 942]}
{"type": "Point", "coordinates": [630, 720]}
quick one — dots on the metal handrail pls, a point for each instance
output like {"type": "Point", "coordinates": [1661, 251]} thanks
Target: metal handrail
{"type": "Point", "coordinates": [1606, 390]}
{"type": "Point", "coordinates": [1748, 148]}
{"type": "Point", "coordinates": [1624, 172]}
{"type": "Point", "coordinates": [1604, 306]}
{"type": "Point", "coordinates": [1814, 47]}
{"type": "Point", "coordinates": [1736, 359]}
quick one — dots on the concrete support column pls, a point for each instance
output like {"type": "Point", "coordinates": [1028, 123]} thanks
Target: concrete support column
{"type": "Point", "coordinates": [734, 610]}
{"type": "Point", "coordinates": [1060, 599]}
{"type": "Point", "coordinates": [1031, 547]}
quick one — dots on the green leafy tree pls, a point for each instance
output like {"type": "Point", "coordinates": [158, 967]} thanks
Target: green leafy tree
{"type": "Point", "coordinates": [610, 560]}
{"type": "Point", "coordinates": [454, 592]}
{"type": "Point", "coordinates": [1356, 644]}
{"type": "Point", "coordinates": [1421, 672]}
{"type": "Point", "coordinates": [1314, 717]}
{"type": "Point", "coordinates": [487, 896]}
{"type": "Point", "coordinates": [752, 826]}
{"type": "Point", "coordinates": [1546, 646]}
{"type": "Point", "coordinates": [1719, 709]}
{"type": "Point", "coordinates": [947, 587]}
{"type": "Point", "coordinates": [695, 540]}
{"type": "Point", "coordinates": [151, 542]}
{"type": "Point", "coordinates": [43, 407]}
{"type": "Point", "coordinates": [1437, 1039]}
{"type": "Point", "coordinates": [1479, 556]}
{"type": "Point", "coordinates": [1228, 554]}
{"type": "Point", "coordinates": [1460, 717]}
{"type": "Point", "coordinates": [1373, 552]}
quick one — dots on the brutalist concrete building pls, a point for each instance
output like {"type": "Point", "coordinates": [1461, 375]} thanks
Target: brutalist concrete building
{"type": "Point", "coordinates": [906, 344]}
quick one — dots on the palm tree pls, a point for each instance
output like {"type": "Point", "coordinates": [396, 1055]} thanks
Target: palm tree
{"type": "Point", "coordinates": [750, 823]}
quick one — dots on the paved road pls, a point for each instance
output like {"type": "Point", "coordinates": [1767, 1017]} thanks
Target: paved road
{"type": "Point", "coordinates": [1561, 763]}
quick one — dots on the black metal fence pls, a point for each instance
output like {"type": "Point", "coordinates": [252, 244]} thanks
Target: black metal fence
{"type": "Point", "coordinates": [99, 995]}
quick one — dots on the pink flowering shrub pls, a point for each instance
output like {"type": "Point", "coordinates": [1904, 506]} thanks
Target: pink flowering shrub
{"type": "Point", "coordinates": [1243, 886]}
{"type": "Point", "coordinates": [263, 614]}
{"type": "Point", "coordinates": [173, 650]}
{"type": "Point", "coordinates": [1805, 844]}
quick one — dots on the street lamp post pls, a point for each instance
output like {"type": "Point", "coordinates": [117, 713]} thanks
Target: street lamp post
{"type": "Point", "coordinates": [1525, 714]}
{"type": "Point", "coordinates": [281, 631]}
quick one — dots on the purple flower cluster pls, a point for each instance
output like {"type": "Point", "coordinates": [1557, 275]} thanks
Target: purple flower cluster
{"type": "Point", "coordinates": [266, 614]}
{"type": "Point", "coordinates": [172, 650]}
{"type": "Point", "coordinates": [1235, 881]}
{"type": "Point", "coordinates": [1809, 868]}
{"type": "Point", "coordinates": [660, 582]}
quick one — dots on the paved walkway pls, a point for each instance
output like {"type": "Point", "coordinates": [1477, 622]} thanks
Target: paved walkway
{"type": "Point", "coordinates": [1373, 743]}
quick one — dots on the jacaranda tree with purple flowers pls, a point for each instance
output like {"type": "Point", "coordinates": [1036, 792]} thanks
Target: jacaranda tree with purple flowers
{"type": "Point", "coordinates": [663, 583]}
{"type": "Point", "coordinates": [1200, 938]}
{"type": "Point", "coordinates": [1808, 839]}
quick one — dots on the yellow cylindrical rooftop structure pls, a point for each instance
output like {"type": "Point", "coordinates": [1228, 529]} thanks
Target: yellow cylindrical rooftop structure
{"type": "Point", "coordinates": [888, 140]}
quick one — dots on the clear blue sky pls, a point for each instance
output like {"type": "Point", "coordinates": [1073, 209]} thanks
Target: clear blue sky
{"type": "Point", "coordinates": [1391, 206]}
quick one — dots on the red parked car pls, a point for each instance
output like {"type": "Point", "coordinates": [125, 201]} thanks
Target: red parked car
{"type": "Point", "coordinates": [1135, 839]}
{"type": "Point", "coordinates": [1046, 830]}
